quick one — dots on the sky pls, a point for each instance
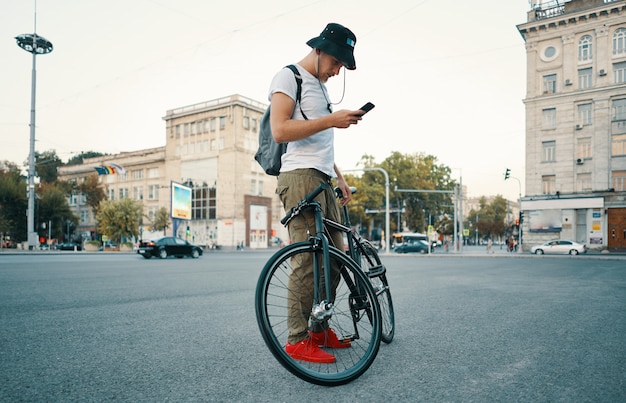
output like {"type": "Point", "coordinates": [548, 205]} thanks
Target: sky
{"type": "Point", "coordinates": [447, 76]}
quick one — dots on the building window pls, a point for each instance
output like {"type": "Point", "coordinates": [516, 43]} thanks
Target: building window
{"type": "Point", "coordinates": [222, 122]}
{"type": "Point", "coordinates": [111, 194]}
{"type": "Point", "coordinates": [549, 84]}
{"type": "Point", "coordinates": [123, 192]}
{"type": "Point", "coordinates": [153, 173]}
{"type": "Point", "coordinates": [246, 122]}
{"type": "Point", "coordinates": [213, 124]}
{"type": "Point", "coordinates": [583, 148]}
{"type": "Point", "coordinates": [549, 119]}
{"type": "Point", "coordinates": [585, 78]}
{"type": "Point", "coordinates": [206, 126]}
{"type": "Point", "coordinates": [153, 192]}
{"type": "Point", "coordinates": [193, 127]}
{"type": "Point", "coordinates": [549, 151]}
{"type": "Point", "coordinates": [203, 203]}
{"type": "Point", "coordinates": [585, 114]}
{"type": "Point", "coordinates": [619, 73]}
{"type": "Point", "coordinates": [137, 174]}
{"type": "Point", "coordinates": [619, 109]}
{"type": "Point", "coordinates": [84, 216]}
{"type": "Point", "coordinates": [583, 182]}
{"type": "Point", "coordinates": [152, 212]}
{"type": "Point", "coordinates": [187, 129]}
{"type": "Point", "coordinates": [199, 127]}
{"type": "Point", "coordinates": [122, 177]}
{"type": "Point", "coordinates": [585, 49]}
{"type": "Point", "coordinates": [138, 192]}
{"type": "Point", "coordinates": [618, 145]}
{"type": "Point", "coordinates": [177, 131]}
{"type": "Point", "coordinates": [254, 124]}
{"type": "Point", "coordinates": [619, 42]}
{"type": "Point", "coordinates": [618, 180]}
{"type": "Point", "coordinates": [548, 184]}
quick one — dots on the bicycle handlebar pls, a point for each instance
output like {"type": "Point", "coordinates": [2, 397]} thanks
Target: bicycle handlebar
{"type": "Point", "coordinates": [303, 203]}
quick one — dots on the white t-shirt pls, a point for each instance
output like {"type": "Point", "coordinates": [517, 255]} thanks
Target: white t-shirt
{"type": "Point", "coordinates": [316, 151]}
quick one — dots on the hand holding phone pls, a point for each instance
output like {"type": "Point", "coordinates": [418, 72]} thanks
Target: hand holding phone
{"type": "Point", "coordinates": [366, 108]}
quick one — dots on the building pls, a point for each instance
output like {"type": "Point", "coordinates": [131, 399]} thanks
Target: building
{"type": "Point", "coordinates": [575, 123]}
{"type": "Point", "coordinates": [209, 147]}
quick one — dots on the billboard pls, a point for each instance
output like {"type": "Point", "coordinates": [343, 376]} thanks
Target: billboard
{"type": "Point", "coordinates": [181, 201]}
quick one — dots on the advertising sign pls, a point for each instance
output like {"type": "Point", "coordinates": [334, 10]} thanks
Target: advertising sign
{"type": "Point", "coordinates": [181, 201]}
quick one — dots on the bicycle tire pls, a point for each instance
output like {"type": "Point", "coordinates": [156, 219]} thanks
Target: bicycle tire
{"type": "Point", "coordinates": [271, 312]}
{"type": "Point", "coordinates": [372, 266]}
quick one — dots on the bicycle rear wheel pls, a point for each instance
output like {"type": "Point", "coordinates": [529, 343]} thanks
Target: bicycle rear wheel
{"type": "Point", "coordinates": [375, 270]}
{"type": "Point", "coordinates": [356, 316]}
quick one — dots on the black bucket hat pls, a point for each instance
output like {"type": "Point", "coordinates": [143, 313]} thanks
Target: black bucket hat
{"type": "Point", "coordinates": [338, 41]}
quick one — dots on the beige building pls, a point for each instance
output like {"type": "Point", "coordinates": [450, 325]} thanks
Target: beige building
{"type": "Point", "coordinates": [209, 147]}
{"type": "Point", "coordinates": [575, 123]}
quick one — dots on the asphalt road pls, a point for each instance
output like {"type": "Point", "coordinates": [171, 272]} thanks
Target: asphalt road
{"type": "Point", "coordinates": [500, 328]}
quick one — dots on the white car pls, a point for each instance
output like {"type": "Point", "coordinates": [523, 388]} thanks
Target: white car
{"type": "Point", "coordinates": [559, 246]}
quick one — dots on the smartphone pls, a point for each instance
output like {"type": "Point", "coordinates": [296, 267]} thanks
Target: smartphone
{"type": "Point", "coordinates": [366, 108]}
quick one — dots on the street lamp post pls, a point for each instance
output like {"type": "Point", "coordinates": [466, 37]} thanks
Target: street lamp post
{"type": "Point", "coordinates": [37, 45]}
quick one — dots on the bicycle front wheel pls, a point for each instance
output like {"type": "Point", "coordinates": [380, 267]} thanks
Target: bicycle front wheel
{"type": "Point", "coordinates": [355, 316]}
{"type": "Point", "coordinates": [375, 270]}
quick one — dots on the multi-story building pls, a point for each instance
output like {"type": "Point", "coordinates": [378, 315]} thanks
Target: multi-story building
{"type": "Point", "coordinates": [209, 147]}
{"type": "Point", "coordinates": [575, 123]}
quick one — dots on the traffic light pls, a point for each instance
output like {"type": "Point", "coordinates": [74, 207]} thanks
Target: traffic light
{"type": "Point", "coordinates": [521, 216]}
{"type": "Point", "coordinates": [507, 174]}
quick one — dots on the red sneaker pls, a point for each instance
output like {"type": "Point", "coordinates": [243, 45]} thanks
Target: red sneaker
{"type": "Point", "coordinates": [306, 350]}
{"type": "Point", "coordinates": [329, 339]}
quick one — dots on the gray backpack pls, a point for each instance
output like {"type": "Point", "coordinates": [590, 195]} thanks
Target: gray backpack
{"type": "Point", "coordinates": [269, 153]}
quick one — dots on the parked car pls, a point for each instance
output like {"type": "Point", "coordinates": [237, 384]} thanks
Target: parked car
{"type": "Point", "coordinates": [559, 246]}
{"type": "Point", "coordinates": [70, 246]}
{"type": "Point", "coordinates": [168, 246]}
{"type": "Point", "coordinates": [413, 245]}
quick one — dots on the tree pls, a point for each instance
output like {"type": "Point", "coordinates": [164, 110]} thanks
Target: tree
{"type": "Point", "coordinates": [93, 191]}
{"type": "Point", "coordinates": [119, 219]}
{"type": "Point", "coordinates": [489, 220]}
{"type": "Point", "coordinates": [13, 202]}
{"type": "Point", "coordinates": [55, 210]}
{"type": "Point", "coordinates": [46, 165]}
{"type": "Point", "coordinates": [78, 159]}
{"type": "Point", "coordinates": [410, 172]}
{"type": "Point", "coordinates": [161, 220]}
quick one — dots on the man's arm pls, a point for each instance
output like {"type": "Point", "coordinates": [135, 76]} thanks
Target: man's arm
{"type": "Point", "coordinates": [345, 189]}
{"type": "Point", "coordinates": [286, 129]}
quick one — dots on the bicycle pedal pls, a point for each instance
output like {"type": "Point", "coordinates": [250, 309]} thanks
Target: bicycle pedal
{"type": "Point", "coordinates": [376, 271]}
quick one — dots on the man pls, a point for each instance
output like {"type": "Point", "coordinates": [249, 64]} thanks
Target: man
{"type": "Point", "coordinates": [308, 128]}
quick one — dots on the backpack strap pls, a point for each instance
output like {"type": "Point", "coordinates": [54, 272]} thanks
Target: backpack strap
{"type": "Point", "coordinates": [298, 77]}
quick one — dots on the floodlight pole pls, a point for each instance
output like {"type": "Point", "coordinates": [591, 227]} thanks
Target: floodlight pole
{"type": "Point", "coordinates": [36, 45]}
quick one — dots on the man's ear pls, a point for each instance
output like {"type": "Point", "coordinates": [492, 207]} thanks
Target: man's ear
{"type": "Point", "coordinates": [318, 52]}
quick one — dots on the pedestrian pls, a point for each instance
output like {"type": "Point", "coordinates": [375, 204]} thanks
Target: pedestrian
{"type": "Point", "coordinates": [489, 245]}
{"type": "Point", "coordinates": [308, 128]}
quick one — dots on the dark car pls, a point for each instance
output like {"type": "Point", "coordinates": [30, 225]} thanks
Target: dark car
{"type": "Point", "coordinates": [168, 246]}
{"type": "Point", "coordinates": [70, 246]}
{"type": "Point", "coordinates": [413, 245]}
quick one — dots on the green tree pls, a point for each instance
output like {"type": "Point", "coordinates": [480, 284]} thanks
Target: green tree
{"type": "Point", "coordinates": [161, 220]}
{"type": "Point", "coordinates": [489, 219]}
{"type": "Point", "coordinates": [119, 219]}
{"type": "Point", "coordinates": [55, 210]}
{"type": "Point", "coordinates": [93, 191]}
{"type": "Point", "coordinates": [13, 202]}
{"type": "Point", "coordinates": [409, 172]}
{"type": "Point", "coordinates": [78, 159]}
{"type": "Point", "coordinates": [46, 165]}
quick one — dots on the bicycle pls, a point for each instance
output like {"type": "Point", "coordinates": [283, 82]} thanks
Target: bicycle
{"type": "Point", "coordinates": [346, 303]}
{"type": "Point", "coordinates": [363, 252]}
